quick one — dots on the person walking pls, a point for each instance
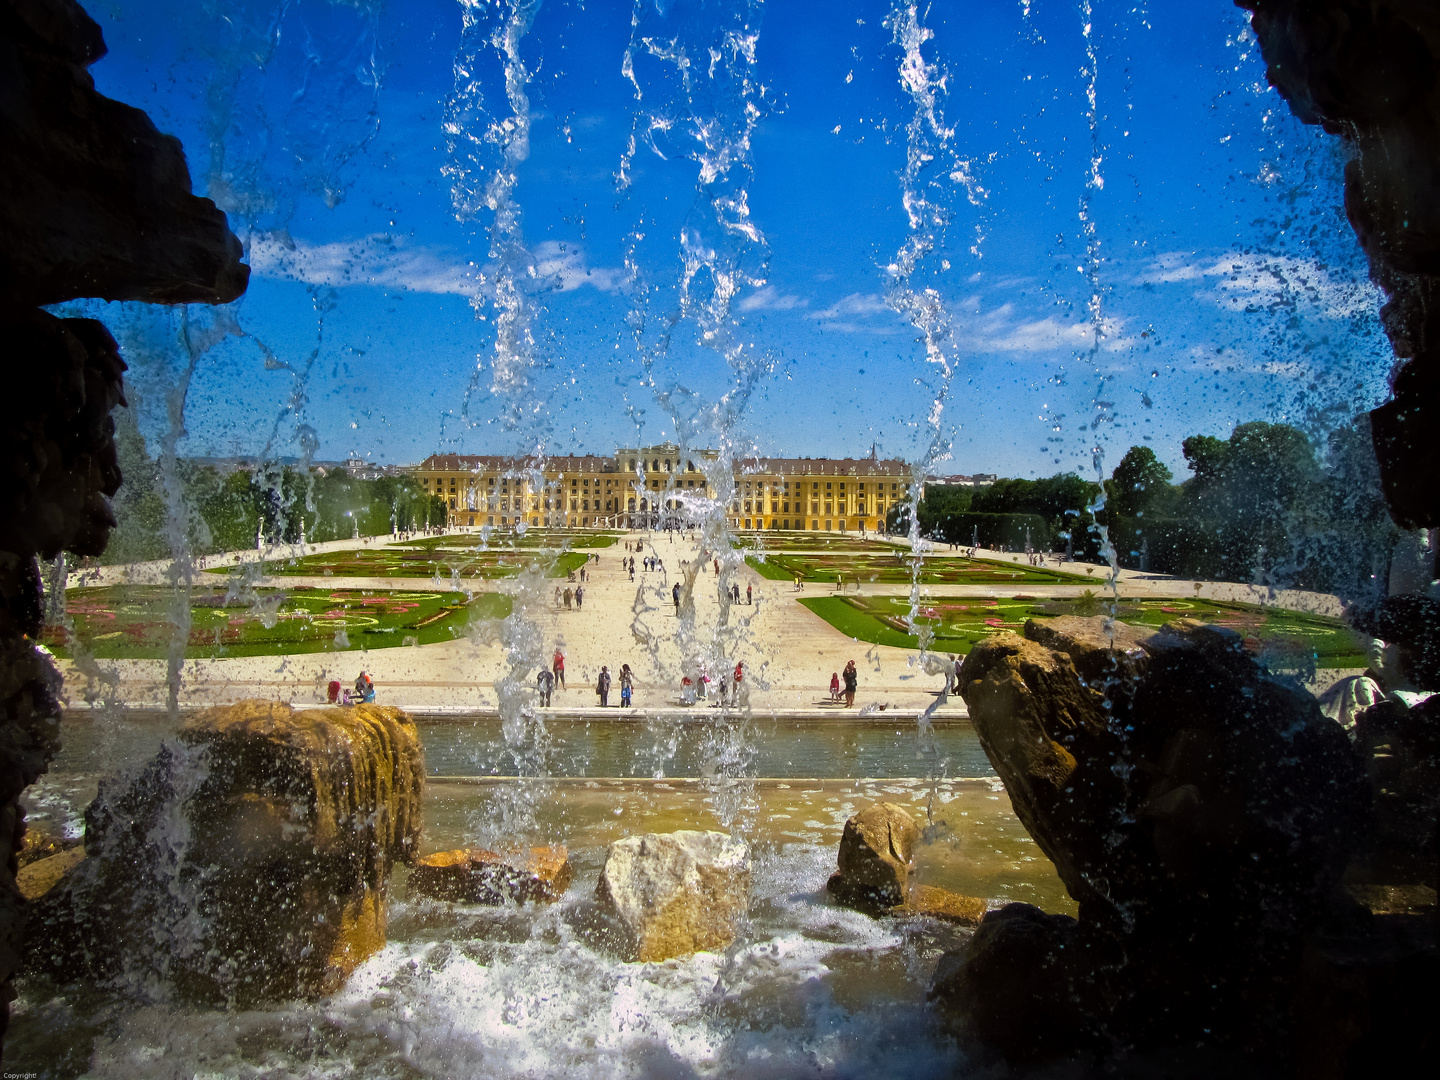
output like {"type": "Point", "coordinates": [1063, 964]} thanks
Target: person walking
{"type": "Point", "coordinates": [955, 664]}
{"type": "Point", "coordinates": [627, 685]}
{"type": "Point", "coordinates": [579, 597]}
{"type": "Point", "coordinates": [749, 597]}
{"type": "Point", "coordinates": [569, 598]}
{"type": "Point", "coordinates": [675, 592]}
{"type": "Point", "coordinates": [632, 569]}
{"type": "Point", "coordinates": [557, 666]}
{"type": "Point", "coordinates": [852, 682]}
{"type": "Point", "coordinates": [557, 596]}
{"type": "Point", "coordinates": [545, 683]}
{"type": "Point", "coordinates": [834, 687]}
{"type": "Point", "coordinates": [739, 672]}
{"type": "Point", "coordinates": [602, 687]}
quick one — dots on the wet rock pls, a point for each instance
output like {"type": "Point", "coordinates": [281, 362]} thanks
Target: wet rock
{"type": "Point", "coordinates": [37, 878]}
{"type": "Point", "coordinates": [876, 853]}
{"type": "Point", "coordinates": [676, 893]}
{"type": "Point", "coordinates": [1014, 986]}
{"type": "Point", "coordinates": [256, 849]}
{"type": "Point", "coordinates": [1401, 749]}
{"type": "Point", "coordinates": [1366, 1001]}
{"type": "Point", "coordinates": [474, 876]}
{"type": "Point", "coordinates": [937, 903]}
{"type": "Point", "coordinates": [41, 842]}
{"type": "Point", "coordinates": [1200, 813]}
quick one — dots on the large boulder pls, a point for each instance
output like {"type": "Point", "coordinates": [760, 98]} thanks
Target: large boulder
{"type": "Point", "coordinates": [1017, 984]}
{"type": "Point", "coordinates": [875, 859]}
{"type": "Point", "coordinates": [475, 876]}
{"type": "Point", "coordinates": [254, 851]}
{"type": "Point", "coordinates": [676, 893]}
{"type": "Point", "coordinates": [1200, 812]}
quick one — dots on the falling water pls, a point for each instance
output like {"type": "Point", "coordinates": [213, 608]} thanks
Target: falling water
{"type": "Point", "coordinates": [930, 146]}
{"type": "Point", "coordinates": [698, 95]}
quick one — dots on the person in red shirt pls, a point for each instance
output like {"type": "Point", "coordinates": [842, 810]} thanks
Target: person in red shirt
{"type": "Point", "coordinates": [558, 668]}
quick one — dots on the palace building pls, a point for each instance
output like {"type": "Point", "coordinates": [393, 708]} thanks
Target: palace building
{"type": "Point", "coordinates": [650, 486]}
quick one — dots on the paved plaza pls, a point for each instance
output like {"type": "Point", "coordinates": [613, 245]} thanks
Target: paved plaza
{"type": "Point", "coordinates": [790, 653]}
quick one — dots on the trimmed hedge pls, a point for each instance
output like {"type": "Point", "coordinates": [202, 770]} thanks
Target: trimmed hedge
{"type": "Point", "coordinates": [996, 530]}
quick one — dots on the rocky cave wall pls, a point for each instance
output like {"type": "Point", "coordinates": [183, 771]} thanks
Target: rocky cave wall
{"type": "Point", "coordinates": [94, 202]}
{"type": "Point", "coordinates": [1369, 72]}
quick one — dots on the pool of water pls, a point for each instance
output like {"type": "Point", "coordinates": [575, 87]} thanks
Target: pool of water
{"type": "Point", "coordinates": [781, 748]}
{"type": "Point", "coordinates": [808, 988]}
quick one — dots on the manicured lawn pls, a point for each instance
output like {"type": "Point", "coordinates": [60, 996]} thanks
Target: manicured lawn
{"type": "Point", "coordinates": [961, 622]}
{"type": "Point", "coordinates": [810, 541]}
{"type": "Point", "coordinates": [421, 562]}
{"type": "Point", "coordinates": [893, 567]}
{"type": "Point", "coordinates": [131, 621]}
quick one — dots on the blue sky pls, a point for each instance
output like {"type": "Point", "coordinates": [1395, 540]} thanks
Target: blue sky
{"type": "Point", "coordinates": [335, 134]}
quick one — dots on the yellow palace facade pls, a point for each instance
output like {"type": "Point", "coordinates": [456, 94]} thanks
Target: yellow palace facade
{"type": "Point", "coordinates": [654, 486]}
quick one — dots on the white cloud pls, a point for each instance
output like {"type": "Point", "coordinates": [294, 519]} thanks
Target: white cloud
{"type": "Point", "coordinates": [1248, 281]}
{"type": "Point", "coordinates": [860, 305]}
{"type": "Point", "coordinates": [562, 267]}
{"type": "Point", "coordinates": [388, 262]}
{"type": "Point", "coordinates": [380, 260]}
{"type": "Point", "coordinates": [766, 298]}
{"type": "Point", "coordinates": [999, 331]}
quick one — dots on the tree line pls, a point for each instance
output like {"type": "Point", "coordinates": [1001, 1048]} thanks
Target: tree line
{"type": "Point", "coordinates": [1268, 505]}
{"type": "Point", "coordinates": [220, 510]}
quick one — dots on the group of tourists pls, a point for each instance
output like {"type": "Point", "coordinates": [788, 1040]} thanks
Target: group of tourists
{"type": "Point", "coordinates": [547, 679]}
{"type": "Point", "coordinates": [648, 563]}
{"type": "Point", "coordinates": [851, 683]}
{"type": "Point", "coordinates": [364, 692]}
{"type": "Point", "coordinates": [697, 688]}
{"type": "Point", "coordinates": [569, 597]}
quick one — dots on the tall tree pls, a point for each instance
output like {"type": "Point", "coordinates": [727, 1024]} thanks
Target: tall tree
{"type": "Point", "coordinates": [1139, 483]}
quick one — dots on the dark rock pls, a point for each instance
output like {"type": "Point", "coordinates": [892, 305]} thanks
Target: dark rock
{"type": "Point", "coordinates": [256, 850]}
{"type": "Point", "coordinates": [94, 201]}
{"type": "Point", "coordinates": [1413, 623]}
{"type": "Point", "coordinates": [59, 441]}
{"type": "Point", "coordinates": [1366, 1003]}
{"type": "Point", "coordinates": [876, 852]}
{"type": "Point", "coordinates": [1017, 985]}
{"type": "Point", "coordinates": [1201, 814]}
{"type": "Point", "coordinates": [1401, 750]}
{"type": "Point", "coordinates": [473, 876]}
{"type": "Point", "coordinates": [1367, 72]}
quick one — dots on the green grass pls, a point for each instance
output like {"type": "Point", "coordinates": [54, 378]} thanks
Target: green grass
{"type": "Point", "coordinates": [131, 621]}
{"type": "Point", "coordinates": [814, 542]}
{"type": "Point", "coordinates": [959, 623]}
{"type": "Point", "coordinates": [893, 567]}
{"type": "Point", "coordinates": [391, 562]}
